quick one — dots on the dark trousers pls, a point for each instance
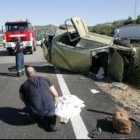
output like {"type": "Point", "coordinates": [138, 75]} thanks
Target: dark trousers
{"type": "Point", "coordinates": [49, 47]}
{"type": "Point", "coordinates": [20, 63]}
{"type": "Point", "coordinates": [48, 121]}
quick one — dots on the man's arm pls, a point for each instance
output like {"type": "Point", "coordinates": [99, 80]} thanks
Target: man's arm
{"type": "Point", "coordinates": [21, 95]}
{"type": "Point", "coordinates": [16, 47]}
{"type": "Point", "coordinates": [54, 92]}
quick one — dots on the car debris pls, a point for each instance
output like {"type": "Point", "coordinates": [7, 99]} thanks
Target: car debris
{"type": "Point", "coordinates": [81, 78]}
{"type": "Point", "coordinates": [120, 85]}
{"type": "Point", "coordinates": [100, 74]}
{"type": "Point", "coordinates": [95, 133]}
{"type": "Point", "coordinates": [94, 91]}
{"type": "Point", "coordinates": [76, 49]}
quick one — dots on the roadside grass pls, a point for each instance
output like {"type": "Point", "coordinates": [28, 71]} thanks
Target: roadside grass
{"type": "Point", "coordinates": [134, 79]}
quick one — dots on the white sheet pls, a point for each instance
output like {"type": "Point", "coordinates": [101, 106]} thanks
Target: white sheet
{"type": "Point", "coordinates": [68, 106]}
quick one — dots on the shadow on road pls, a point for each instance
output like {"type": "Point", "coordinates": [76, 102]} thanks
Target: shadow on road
{"type": "Point", "coordinates": [8, 74]}
{"type": "Point", "coordinates": [19, 117]}
{"type": "Point", "coordinates": [4, 53]}
{"type": "Point", "coordinates": [51, 69]}
{"type": "Point", "coordinates": [105, 125]}
{"type": "Point", "coordinates": [44, 69]}
{"type": "Point", "coordinates": [14, 116]}
{"type": "Point", "coordinates": [12, 69]}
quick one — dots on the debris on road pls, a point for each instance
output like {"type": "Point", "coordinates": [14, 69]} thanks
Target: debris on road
{"type": "Point", "coordinates": [95, 133]}
{"type": "Point", "coordinates": [120, 85]}
{"type": "Point", "coordinates": [81, 78]}
{"type": "Point", "coordinates": [94, 91]}
{"type": "Point", "coordinates": [128, 99]}
{"type": "Point", "coordinates": [121, 122]}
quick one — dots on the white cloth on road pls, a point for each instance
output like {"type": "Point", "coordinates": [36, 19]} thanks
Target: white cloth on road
{"type": "Point", "coordinates": [68, 106]}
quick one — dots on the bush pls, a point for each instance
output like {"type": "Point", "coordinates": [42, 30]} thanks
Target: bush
{"type": "Point", "coordinates": [134, 78]}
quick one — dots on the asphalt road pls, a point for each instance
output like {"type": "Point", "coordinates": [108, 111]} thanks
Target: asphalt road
{"type": "Point", "coordinates": [15, 125]}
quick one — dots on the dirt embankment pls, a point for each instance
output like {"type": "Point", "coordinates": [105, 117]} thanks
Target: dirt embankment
{"type": "Point", "coordinates": [129, 98]}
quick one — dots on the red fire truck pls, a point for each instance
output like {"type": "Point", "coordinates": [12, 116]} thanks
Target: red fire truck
{"type": "Point", "coordinates": [22, 29]}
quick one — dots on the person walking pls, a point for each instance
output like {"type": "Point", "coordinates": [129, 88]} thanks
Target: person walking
{"type": "Point", "coordinates": [19, 50]}
{"type": "Point", "coordinates": [39, 96]}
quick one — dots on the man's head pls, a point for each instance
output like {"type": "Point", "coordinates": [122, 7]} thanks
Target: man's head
{"type": "Point", "coordinates": [30, 71]}
{"type": "Point", "coordinates": [18, 39]}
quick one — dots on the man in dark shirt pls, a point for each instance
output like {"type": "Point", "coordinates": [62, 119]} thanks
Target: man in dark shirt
{"type": "Point", "coordinates": [49, 43]}
{"type": "Point", "coordinates": [19, 48]}
{"type": "Point", "coordinates": [39, 96]}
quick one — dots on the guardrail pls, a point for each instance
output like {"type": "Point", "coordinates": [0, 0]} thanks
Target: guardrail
{"type": "Point", "coordinates": [1, 45]}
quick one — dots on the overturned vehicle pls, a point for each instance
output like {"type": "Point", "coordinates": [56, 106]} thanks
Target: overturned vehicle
{"type": "Point", "coordinates": [76, 49]}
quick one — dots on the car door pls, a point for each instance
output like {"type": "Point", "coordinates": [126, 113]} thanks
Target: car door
{"type": "Point", "coordinates": [71, 58]}
{"type": "Point", "coordinates": [116, 67]}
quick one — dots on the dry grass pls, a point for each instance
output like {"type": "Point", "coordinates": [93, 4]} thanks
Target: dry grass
{"type": "Point", "coordinates": [129, 98]}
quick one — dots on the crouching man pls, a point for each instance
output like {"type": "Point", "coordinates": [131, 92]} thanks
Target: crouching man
{"type": "Point", "coordinates": [39, 96]}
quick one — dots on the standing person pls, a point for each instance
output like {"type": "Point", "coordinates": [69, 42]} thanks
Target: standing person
{"type": "Point", "coordinates": [49, 43]}
{"type": "Point", "coordinates": [19, 48]}
{"type": "Point", "coordinates": [39, 96]}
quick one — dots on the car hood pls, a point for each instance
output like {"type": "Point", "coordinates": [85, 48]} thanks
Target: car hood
{"type": "Point", "coordinates": [84, 33]}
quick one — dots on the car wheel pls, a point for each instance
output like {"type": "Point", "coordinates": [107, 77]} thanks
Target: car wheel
{"type": "Point", "coordinates": [31, 50]}
{"type": "Point", "coordinates": [10, 52]}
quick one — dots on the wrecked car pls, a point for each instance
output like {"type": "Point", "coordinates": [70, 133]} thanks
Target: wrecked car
{"type": "Point", "coordinates": [76, 49]}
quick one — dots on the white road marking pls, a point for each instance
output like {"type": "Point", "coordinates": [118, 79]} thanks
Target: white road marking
{"type": "Point", "coordinates": [77, 122]}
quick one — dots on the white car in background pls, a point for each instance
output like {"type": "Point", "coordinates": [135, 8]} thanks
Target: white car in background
{"type": "Point", "coordinates": [38, 42]}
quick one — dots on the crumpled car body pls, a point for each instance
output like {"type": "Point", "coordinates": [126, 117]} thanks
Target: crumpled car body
{"type": "Point", "coordinates": [76, 49]}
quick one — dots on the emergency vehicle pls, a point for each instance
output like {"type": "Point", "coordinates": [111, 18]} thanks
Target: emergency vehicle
{"type": "Point", "coordinates": [22, 29]}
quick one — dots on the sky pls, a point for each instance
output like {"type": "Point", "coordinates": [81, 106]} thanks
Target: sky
{"type": "Point", "coordinates": [44, 12]}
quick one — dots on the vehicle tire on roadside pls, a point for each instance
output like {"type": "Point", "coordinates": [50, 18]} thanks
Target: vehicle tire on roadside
{"type": "Point", "coordinates": [10, 52]}
{"type": "Point", "coordinates": [31, 50]}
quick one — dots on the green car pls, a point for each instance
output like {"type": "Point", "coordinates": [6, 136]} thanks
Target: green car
{"type": "Point", "coordinates": [76, 49]}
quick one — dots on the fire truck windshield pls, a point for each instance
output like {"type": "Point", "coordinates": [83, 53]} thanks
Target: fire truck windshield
{"type": "Point", "coordinates": [17, 27]}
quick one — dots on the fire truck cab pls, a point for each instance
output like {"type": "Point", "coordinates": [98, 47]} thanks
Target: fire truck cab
{"type": "Point", "coordinates": [22, 29]}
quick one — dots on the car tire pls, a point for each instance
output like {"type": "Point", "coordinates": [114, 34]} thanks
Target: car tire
{"type": "Point", "coordinates": [10, 52]}
{"type": "Point", "coordinates": [31, 50]}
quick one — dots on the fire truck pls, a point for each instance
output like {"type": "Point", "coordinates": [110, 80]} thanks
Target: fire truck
{"type": "Point", "coordinates": [22, 29]}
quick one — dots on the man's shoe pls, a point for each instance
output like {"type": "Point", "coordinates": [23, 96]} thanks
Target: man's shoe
{"type": "Point", "coordinates": [54, 123]}
{"type": "Point", "coordinates": [19, 75]}
{"type": "Point", "coordinates": [23, 72]}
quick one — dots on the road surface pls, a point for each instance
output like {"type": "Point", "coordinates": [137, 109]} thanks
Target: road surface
{"type": "Point", "coordinates": [97, 113]}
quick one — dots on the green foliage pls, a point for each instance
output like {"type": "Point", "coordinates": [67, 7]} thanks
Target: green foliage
{"type": "Point", "coordinates": [108, 28]}
{"type": "Point", "coordinates": [42, 30]}
{"type": "Point", "coordinates": [129, 21]}
{"type": "Point", "coordinates": [138, 20]}
{"type": "Point", "coordinates": [118, 23]}
{"type": "Point", "coordinates": [134, 78]}
{"type": "Point", "coordinates": [1, 39]}
{"type": "Point", "coordinates": [105, 30]}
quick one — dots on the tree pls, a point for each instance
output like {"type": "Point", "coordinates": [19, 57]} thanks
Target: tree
{"type": "Point", "coordinates": [128, 21]}
{"type": "Point", "coordinates": [138, 20]}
